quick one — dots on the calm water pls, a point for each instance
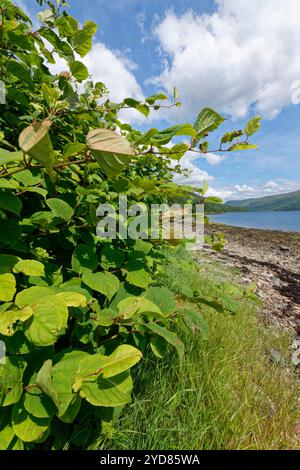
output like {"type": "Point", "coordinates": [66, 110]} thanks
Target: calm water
{"type": "Point", "coordinates": [287, 221]}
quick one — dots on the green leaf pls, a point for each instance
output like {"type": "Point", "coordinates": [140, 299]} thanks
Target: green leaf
{"type": "Point", "coordinates": [30, 268]}
{"type": "Point", "coordinates": [73, 149]}
{"type": "Point", "coordinates": [38, 404]}
{"type": "Point", "coordinates": [169, 336]}
{"type": "Point", "coordinates": [84, 259]}
{"type": "Point", "coordinates": [90, 27]}
{"type": "Point", "coordinates": [11, 375]}
{"type": "Point", "coordinates": [207, 121]}
{"type": "Point", "coordinates": [157, 97]}
{"type": "Point", "coordinates": [252, 126]}
{"type": "Point", "coordinates": [7, 262]}
{"type": "Point", "coordinates": [9, 202]}
{"type": "Point", "coordinates": [146, 137]}
{"type": "Point", "coordinates": [60, 208]}
{"type": "Point", "coordinates": [32, 296]}
{"type": "Point", "coordinates": [44, 381]}
{"type": "Point", "coordinates": [19, 70]}
{"type": "Point", "coordinates": [143, 109]}
{"type": "Point", "coordinates": [163, 298]}
{"type": "Point", "coordinates": [67, 26]}
{"type": "Point", "coordinates": [7, 287]}
{"type": "Point", "coordinates": [105, 283]}
{"type": "Point", "coordinates": [10, 232]}
{"type": "Point", "coordinates": [131, 306]}
{"type": "Point", "coordinates": [112, 151]}
{"type": "Point", "coordinates": [9, 157]}
{"type": "Point", "coordinates": [178, 151]}
{"type": "Point", "coordinates": [34, 140]}
{"type": "Point", "coordinates": [63, 373]}
{"type": "Point", "coordinates": [46, 324]}
{"type": "Point", "coordinates": [72, 299]}
{"type": "Point", "coordinates": [112, 392]}
{"type": "Point", "coordinates": [242, 146]}
{"type": "Point", "coordinates": [82, 42]}
{"type": "Point", "coordinates": [50, 95]}
{"type": "Point", "coordinates": [111, 257]}
{"type": "Point", "coordinates": [196, 322]}
{"type": "Point", "coordinates": [79, 71]}
{"type": "Point", "coordinates": [165, 136]}
{"type": "Point", "coordinates": [230, 136]}
{"type": "Point", "coordinates": [137, 275]}
{"type": "Point", "coordinates": [91, 367]}
{"type": "Point", "coordinates": [27, 427]}
{"type": "Point", "coordinates": [159, 346]}
{"type": "Point", "coordinates": [10, 317]}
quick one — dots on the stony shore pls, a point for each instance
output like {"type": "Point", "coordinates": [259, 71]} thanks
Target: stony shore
{"type": "Point", "coordinates": [271, 260]}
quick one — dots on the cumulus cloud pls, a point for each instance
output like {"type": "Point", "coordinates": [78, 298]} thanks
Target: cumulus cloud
{"type": "Point", "coordinates": [244, 55]}
{"type": "Point", "coordinates": [244, 191]}
{"type": "Point", "coordinates": [196, 175]}
{"type": "Point", "coordinates": [115, 71]}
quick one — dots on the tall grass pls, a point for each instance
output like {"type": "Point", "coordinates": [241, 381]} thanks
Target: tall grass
{"type": "Point", "coordinates": [226, 395]}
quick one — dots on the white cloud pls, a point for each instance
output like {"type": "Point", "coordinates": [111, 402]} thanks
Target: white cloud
{"type": "Point", "coordinates": [243, 55]}
{"type": "Point", "coordinates": [244, 191]}
{"type": "Point", "coordinates": [196, 175]}
{"type": "Point", "coordinates": [213, 159]}
{"type": "Point", "coordinates": [115, 71]}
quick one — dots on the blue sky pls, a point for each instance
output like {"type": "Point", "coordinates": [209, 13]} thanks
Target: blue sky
{"type": "Point", "coordinates": [241, 58]}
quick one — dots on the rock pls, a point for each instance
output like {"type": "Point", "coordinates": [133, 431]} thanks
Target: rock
{"type": "Point", "coordinates": [284, 248]}
{"type": "Point", "coordinates": [296, 358]}
{"type": "Point", "coordinates": [275, 356]}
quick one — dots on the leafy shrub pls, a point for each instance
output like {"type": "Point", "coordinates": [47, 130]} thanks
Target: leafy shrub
{"type": "Point", "coordinates": [76, 312]}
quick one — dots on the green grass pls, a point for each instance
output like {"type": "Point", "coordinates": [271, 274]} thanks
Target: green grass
{"type": "Point", "coordinates": [226, 395]}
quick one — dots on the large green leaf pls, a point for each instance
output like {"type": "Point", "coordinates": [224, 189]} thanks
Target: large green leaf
{"type": "Point", "coordinates": [92, 366]}
{"type": "Point", "coordinates": [7, 287]}
{"type": "Point", "coordinates": [136, 306]}
{"type": "Point", "coordinates": [9, 157]}
{"type": "Point", "coordinates": [44, 381]}
{"type": "Point", "coordinates": [207, 121]}
{"type": "Point", "coordinates": [47, 322]}
{"type": "Point", "coordinates": [9, 202]}
{"type": "Point", "coordinates": [38, 404]}
{"type": "Point", "coordinates": [115, 391]}
{"type": "Point", "coordinates": [11, 375]}
{"type": "Point", "coordinates": [34, 140]}
{"type": "Point", "coordinates": [19, 70]}
{"type": "Point", "coordinates": [32, 296]}
{"type": "Point", "coordinates": [60, 208]}
{"type": "Point", "coordinates": [165, 136]}
{"type": "Point", "coordinates": [111, 150]}
{"type": "Point", "coordinates": [7, 262]}
{"type": "Point", "coordinates": [30, 267]}
{"type": "Point", "coordinates": [84, 259]}
{"type": "Point", "coordinates": [105, 283]}
{"type": "Point", "coordinates": [10, 232]}
{"type": "Point", "coordinates": [10, 317]}
{"type": "Point", "coordinates": [63, 374]}
{"type": "Point", "coordinates": [137, 275]}
{"type": "Point", "coordinates": [169, 336]}
{"type": "Point", "coordinates": [27, 427]}
{"type": "Point", "coordinates": [163, 298]}
{"type": "Point", "coordinates": [112, 257]}
{"type": "Point", "coordinates": [79, 71]}
{"type": "Point", "coordinates": [82, 42]}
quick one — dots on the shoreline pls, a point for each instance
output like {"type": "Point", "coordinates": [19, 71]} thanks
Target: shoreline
{"type": "Point", "coordinates": [271, 260]}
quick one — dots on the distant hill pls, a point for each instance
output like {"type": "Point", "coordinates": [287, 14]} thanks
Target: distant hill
{"type": "Point", "coordinates": [211, 208]}
{"type": "Point", "coordinates": [280, 202]}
